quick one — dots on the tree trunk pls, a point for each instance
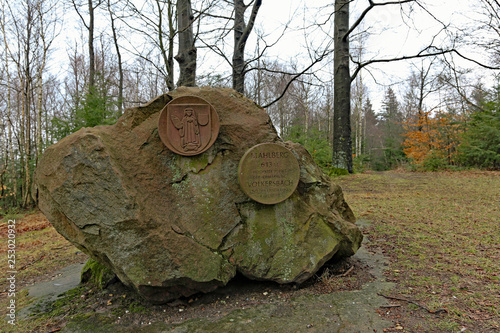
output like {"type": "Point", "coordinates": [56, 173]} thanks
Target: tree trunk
{"type": "Point", "coordinates": [171, 37]}
{"type": "Point", "coordinates": [241, 32]}
{"type": "Point", "coordinates": [281, 113]}
{"type": "Point", "coordinates": [41, 68]}
{"type": "Point", "coordinates": [187, 51]}
{"type": "Point", "coordinates": [167, 54]}
{"type": "Point", "coordinates": [238, 52]}
{"type": "Point", "coordinates": [342, 145]}
{"type": "Point", "coordinates": [27, 139]}
{"type": "Point", "coordinates": [26, 110]}
{"type": "Point", "coordinates": [11, 152]}
{"type": "Point", "coordinates": [39, 110]}
{"type": "Point", "coordinates": [119, 55]}
{"type": "Point", "coordinates": [21, 140]}
{"type": "Point", "coordinates": [259, 76]}
{"type": "Point", "coordinates": [91, 48]}
{"type": "Point", "coordinates": [359, 119]}
{"type": "Point", "coordinates": [420, 108]}
{"type": "Point", "coordinates": [305, 105]}
{"type": "Point", "coordinates": [9, 122]}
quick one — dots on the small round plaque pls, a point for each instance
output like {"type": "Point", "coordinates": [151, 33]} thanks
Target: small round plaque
{"type": "Point", "coordinates": [188, 125]}
{"type": "Point", "coordinates": [268, 173]}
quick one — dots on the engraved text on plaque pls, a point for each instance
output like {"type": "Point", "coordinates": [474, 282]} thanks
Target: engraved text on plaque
{"type": "Point", "coordinates": [268, 173]}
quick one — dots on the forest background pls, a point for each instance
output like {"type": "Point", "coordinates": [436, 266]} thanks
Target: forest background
{"type": "Point", "coordinates": [80, 63]}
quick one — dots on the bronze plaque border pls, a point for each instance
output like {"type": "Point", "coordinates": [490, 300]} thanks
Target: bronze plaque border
{"type": "Point", "coordinates": [164, 129]}
{"type": "Point", "coordinates": [288, 166]}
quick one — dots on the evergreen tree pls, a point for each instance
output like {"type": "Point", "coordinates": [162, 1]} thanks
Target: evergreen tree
{"type": "Point", "coordinates": [95, 109]}
{"type": "Point", "coordinates": [372, 136]}
{"type": "Point", "coordinates": [391, 125]}
{"type": "Point", "coordinates": [481, 142]}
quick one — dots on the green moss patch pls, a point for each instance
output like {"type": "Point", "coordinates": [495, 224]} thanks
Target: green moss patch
{"type": "Point", "coordinates": [97, 274]}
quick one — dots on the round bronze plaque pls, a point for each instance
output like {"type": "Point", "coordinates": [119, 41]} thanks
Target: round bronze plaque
{"type": "Point", "coordinates": [268, 173]}
{"type": "Point", "coordinates": [188, 125]}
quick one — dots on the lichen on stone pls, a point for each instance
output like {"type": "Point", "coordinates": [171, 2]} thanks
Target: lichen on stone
{"type": "Point", "coordinates": [170, 225]}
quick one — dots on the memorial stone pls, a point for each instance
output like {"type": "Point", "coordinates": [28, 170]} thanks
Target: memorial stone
{"type": "Point", "coordinates": [175, 222]}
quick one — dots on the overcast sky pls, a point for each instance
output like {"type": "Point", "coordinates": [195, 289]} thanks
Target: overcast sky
{"type": "Point", "coordinates": [392, 34]}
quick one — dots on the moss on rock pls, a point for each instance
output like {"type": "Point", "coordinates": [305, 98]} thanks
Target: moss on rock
{"type": "Point", "coordinates": [170, 225]}
{"type": "Point", "coordinates": [97, 274]}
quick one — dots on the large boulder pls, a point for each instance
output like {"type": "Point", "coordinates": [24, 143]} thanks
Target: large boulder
{"type": "Point", "coordinates": [170, 225]}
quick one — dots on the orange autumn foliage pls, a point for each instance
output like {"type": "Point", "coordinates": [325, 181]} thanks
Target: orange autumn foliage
{"type": "Point", "coordinates": [432, 136]}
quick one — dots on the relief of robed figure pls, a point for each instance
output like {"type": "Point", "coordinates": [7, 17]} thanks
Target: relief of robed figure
{"type": "Point", "coordinates": [188, 128]}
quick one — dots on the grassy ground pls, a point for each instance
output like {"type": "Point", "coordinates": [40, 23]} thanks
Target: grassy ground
{"type": "Point", "coordinates": [440, 230]}
{"type": "Point", "coordinates": [442, 233]}
{"type": "Point", "coordinates": [39, 252]}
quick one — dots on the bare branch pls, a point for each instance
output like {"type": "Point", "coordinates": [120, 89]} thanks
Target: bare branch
{"type": "Point", "coordinates": [422, 54]}
{"type": "Point", "coordinates": [368, 9]}
{"type": "Point", "coordinates": [475, 61]}
{"type": "Point", "coordinates": [250, 24]}
{"type": "Point", "coordinates": [79, 14]}
{"type": "Point", "coordinates": [297, 75]}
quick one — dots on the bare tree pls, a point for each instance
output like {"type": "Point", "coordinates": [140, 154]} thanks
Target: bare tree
{"type": "Point", "coordinates": [47, 33]}
{"type": "Point", "coordinates": [342, 145]}
{"type": "Point", "coordinates": [266, 86]}
{"type": "Point", "coordinates": [91, 7]}
{"type": "Point", "coordinates": [485, 32]}
{"type": "Point", "coordinates": [158, 28]}
{"type": "Point", "coordinates": [241, 31]}
{"type": "Point", "coordinates": [482, 36]}
{"type": "Point", "coordinates": [359, 95]}
{"type": "Point", "coordinates": [28, 32]}
{"type": "Point", "coordinates": [119, 55]}
{"type": "Point", "coordinates": [186, 57]}
{"type": "Point", "coordinates": [9, 150]}
{"type": "Point", "coordinates": [422, 83]}
{"type": "Point", "coordinates": [239, 22]}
